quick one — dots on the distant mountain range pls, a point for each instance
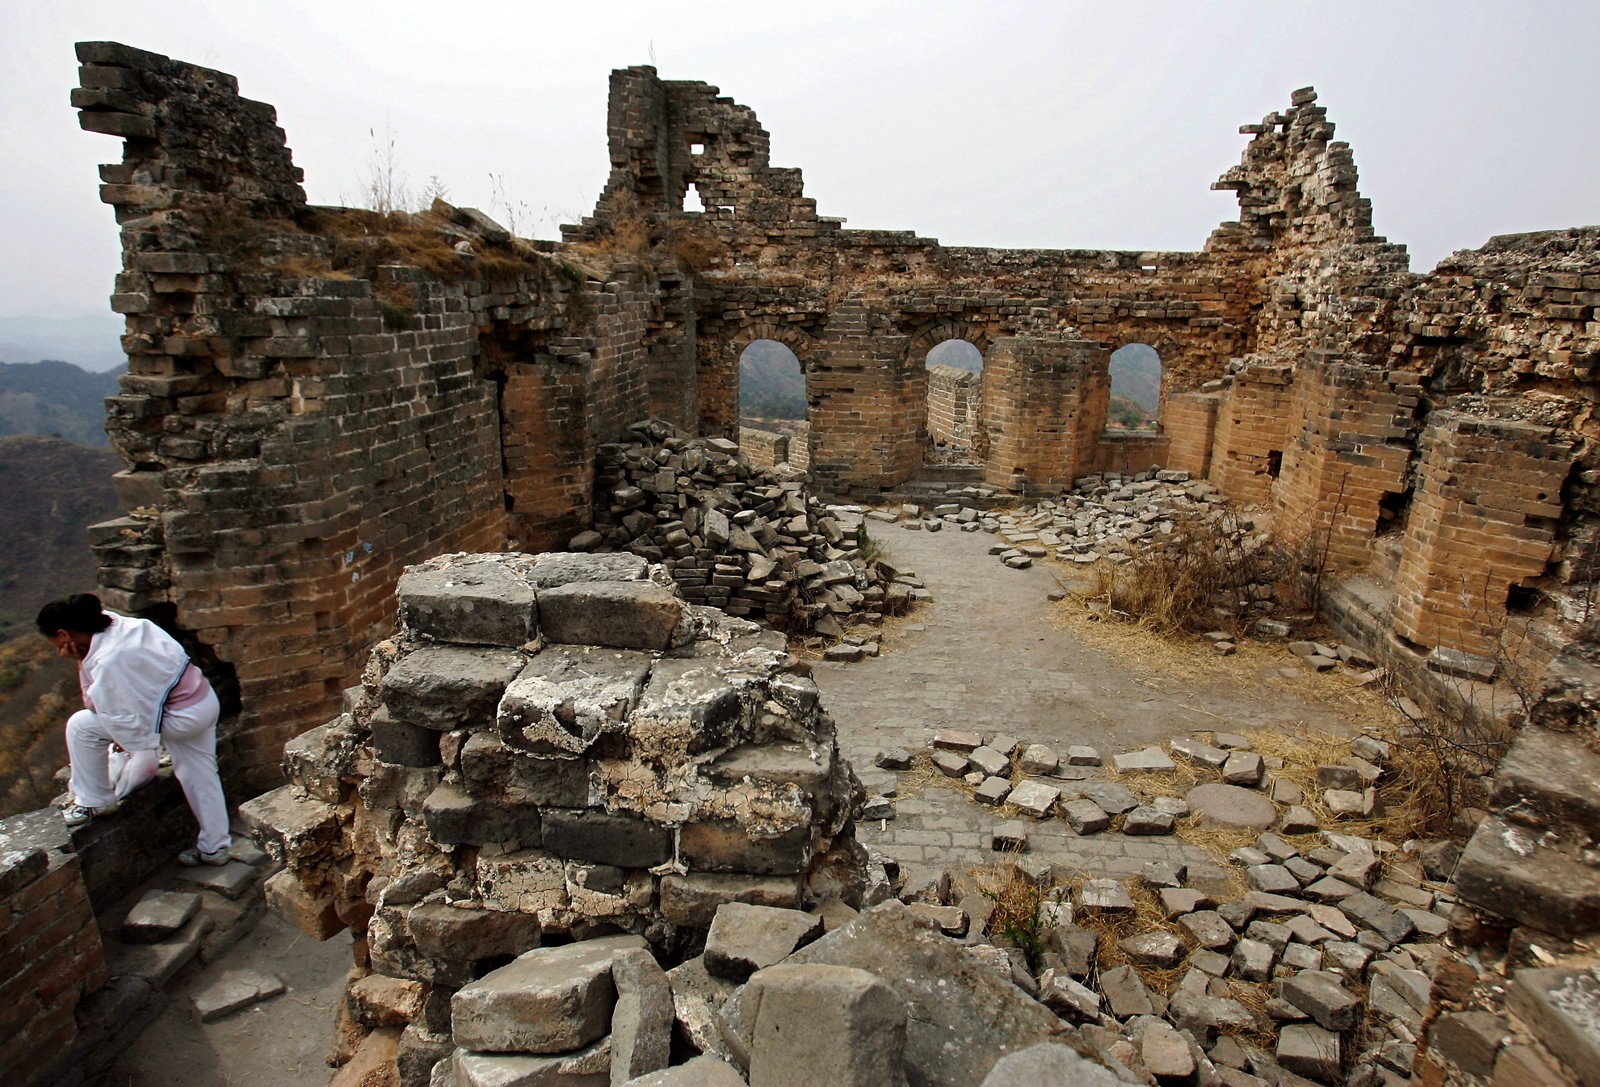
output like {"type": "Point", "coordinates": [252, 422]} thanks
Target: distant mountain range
{"type": "Point", "coordinates": [1135, 386]}
{"type": "Point", "coordinates": [90, 340]}
{"type": "Point", "coordinates": [53, 490]}
{"type": "Point", "coordinates": [771, 385]}
{"type": "Point", "coordinates": [55, 399]}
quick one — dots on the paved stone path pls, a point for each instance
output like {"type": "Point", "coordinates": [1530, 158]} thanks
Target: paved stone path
{"type": "Point", "coordinates": [985, 657]}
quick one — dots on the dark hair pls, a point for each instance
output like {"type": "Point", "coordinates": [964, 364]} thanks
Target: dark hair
{"type": "Point", "coordinates": [79, 613]}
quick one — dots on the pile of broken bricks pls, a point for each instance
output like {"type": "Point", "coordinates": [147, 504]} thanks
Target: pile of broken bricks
{"type": "Point", "coordinates": [1336, 933]}
{"type": "Point", "coordinates": [751, 541]}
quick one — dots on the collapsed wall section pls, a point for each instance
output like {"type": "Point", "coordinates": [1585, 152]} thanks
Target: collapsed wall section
{"type": "Point", "coordinates": [556, 746]}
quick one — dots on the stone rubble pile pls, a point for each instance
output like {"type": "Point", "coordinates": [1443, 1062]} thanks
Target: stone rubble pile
{"type": "Point", "coordinates": [1313, 961]}
{"type": "Point", "coordinates": [751, 541]}
{"type": "Point", "coordinates": [553, 747]}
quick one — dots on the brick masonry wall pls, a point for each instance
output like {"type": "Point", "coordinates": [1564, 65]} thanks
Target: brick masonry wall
{"type": "Point", "coordinates": [1483, 520]}
{"type": "Point", "coordinates": [1251, 432]}
{"type": "Point", "coordinates": [1045, 402]}
{"type": "Point", "coordinates": [1189, 420]}
{"type": "Point", "coordinates": [954, 406]}
{"type": "Point", "coordinates": [51, 958]}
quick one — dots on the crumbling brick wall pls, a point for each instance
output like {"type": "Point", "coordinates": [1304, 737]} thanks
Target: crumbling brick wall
{"type": "Point", "coordinates": [313, 403]}
{"type": "Point", "coordinates": [954, 406]}
{"type": "Point", "coordinates": [51, 959]}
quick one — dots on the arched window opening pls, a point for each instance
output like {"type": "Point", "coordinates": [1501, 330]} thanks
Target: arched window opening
{"type": "Point", "coordinates": [1135, 388]}
{"type": "Point", "coordinates": [955, 404]}
{"type": "Point", "coordinates": [772, 406]}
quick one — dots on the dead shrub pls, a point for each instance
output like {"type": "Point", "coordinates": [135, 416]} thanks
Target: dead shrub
{"type": "Point", "coordinates": [1204, 575]}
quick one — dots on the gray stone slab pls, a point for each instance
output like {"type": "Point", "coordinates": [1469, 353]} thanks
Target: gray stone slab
{"type": "Point", "coordinates": [587, 1067]}
{"type": "Point", "coordinates": [965, 1013]}
{"type": "Point", "coordinates": [1104, 896]}
{"type": "Point", "coordinates": [1562, 1007]}
{"type": "Point", "coordinates": [1311, 1051]}
{"type": "Point", "coordinates": [990, 761]}
{"type": "Point", "coordinates": [157, 915]}
{"type": "Point", "coordinates": [641, 1023]}
{"type": "Point", "coordinates": [1147, 760]}
{"type": "Point", "coordinates": [1230, 807]}
{"type": "Point", "coordinates": [1085, 816]}
{"type": "Point", "coordinates": [555, 568]}
{"type": "Point", "coordinates": [1034, 798]}
{"type": "Point", "coordinates": [1048, 1063]}
{"type": "Point", "coordinates": [1323, 998]}
{"type": "Point", "coordinates": [232, 879]}
{"type": "Point", "coordinates": [449, 687]}
{"type": "Point", "coordinates": [703, 1071]}
{"type": "Point", "coordinates": [1112, 798]}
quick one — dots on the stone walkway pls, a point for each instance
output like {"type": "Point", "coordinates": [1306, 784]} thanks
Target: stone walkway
{"type": "Point", "coordinates": [985, 657]}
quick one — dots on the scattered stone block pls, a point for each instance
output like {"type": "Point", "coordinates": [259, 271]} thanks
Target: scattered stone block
{"type": "Point", "coordinates": [1078, 755]}
{"type": "Point", "coordinates": [957, 741]}
{"type": "Point", "coordinates": [1085, 816]}
{"type": "Point", "coordinates": [1470, 1039]}
{"type": "Point", "coordinates": [1009, 837]}
{"type": "Point", "coordinates": [1034, 798]}
{"type": "Point", "coordinates": [893, 758]}
{"type": "Point", "coordinates": [1148, 760]}
{"type": "Point", "coordinates": [1040, 759]}
{"type": "Point", "coordinates": [1104, 896]}
{"type": "Point", "coordinates": [1166, 1054]}
{"type": "Point", "coordinates": [550, 1000]}
{"type": "Point", "coordinates": [1047, 1062]}
{"type": "Point", "coordinates": [1243, 768]}
{"type": "Point", "coordinates": [590, 1065]}
{"type": "Point", "coordinates": [1297, 820]}
{"type": "Point", "coordinates": [1202, 753]}
{"type": "Point", "coordinates": [1229, 806]}
{"type": "Point", "coordinates": [1067, 998]}
{"type": "Point", "coordinates": [839, 1024]}
{"type": "Point", "coordinates": [705, 1070]}
{"type": "Point", "coordinates": [1177, 901]}
{"type": "Point", "coordinates": [1253, 960]}
{"type": "Point", "coordinates": [1320, 996]}
{"type": "Point", "coordinates": [1312, 1052]}
{"type": "Point", "coordinates": [1160, 949]}
{"type": "Point", "coordinates": [620, 614]}
{"type": "Point", "coordinates": [992, 791]}
{"type": "Point", "coordinates": [1461, 665]}
{"type": "Point", "coordinates": [1147, 821]}
{"type": "Point", "coordinates": [1208, 929]}
{"type": "Point", "coordinates": [745, 938]}
{"type": "Point", "coordinates": [1272, 879]}
{"type": "Point", "coordinates": [232, 991]}
{"type": "Point", "coordinates": [950, 764]}
{"type": "Point", "coordinates": [1125, 993]}
{"type": "Point", "coordinates": [1110, 797]}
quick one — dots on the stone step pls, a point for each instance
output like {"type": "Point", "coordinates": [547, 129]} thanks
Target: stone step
{"type": "Point", "coordinates": [1522, 874]}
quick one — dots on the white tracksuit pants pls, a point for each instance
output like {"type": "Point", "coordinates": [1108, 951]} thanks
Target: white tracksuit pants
{"type": "Point", "coordinates": [191, 738]}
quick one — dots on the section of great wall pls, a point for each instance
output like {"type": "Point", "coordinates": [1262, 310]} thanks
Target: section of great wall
{"type": "Point", "coordinates": [460, 528]}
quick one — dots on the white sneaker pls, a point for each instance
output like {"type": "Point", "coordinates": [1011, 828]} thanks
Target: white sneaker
{"type": "Point", "coordinates": [75, 815]}
{"type": "Point", "coordinates": [193, 858]}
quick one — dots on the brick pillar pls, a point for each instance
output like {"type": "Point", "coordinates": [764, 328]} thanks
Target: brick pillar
{"type": "Point", "coordinates": [868, 424]}
{"type": "Point", "coordinates": [1189, 420]}
{"type": "Point", "coordinates": [1045, 399]}
{"type": "Point", "coordinates": [1348, 447]}
{"type": "Point", "coordinates": [1252, 430]}
{"type": "Point", "coordinates": [1488, 495]}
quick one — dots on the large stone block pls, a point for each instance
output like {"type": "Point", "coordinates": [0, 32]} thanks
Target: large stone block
{"type": "Point", "coordinates": [550, 1000]}
{"type": "Point", "coordinates": [823, 1026]}
{"type": "Point", "coordinates": [641, 1023]}
{"type": "Point", "coordinates": [447, 687]}
{"type": "Point", "coordinates": [1562, 1009]}
{"type": "Point", "coordinates": [489, 767]}
{"type": "Point", "coordinates": [319, 759]}
{"type": "Point", "coordinates": [967, 1016]}
{"type": "Point", "coordinates": [455, 818]}
{"type": "Point", "coordinates": [459, 932]}
{"type": "Point", "coordinates": [588, 1067]}
{"type": "Point", "coordinates": [1508, 870]}
{"type": "Point", "coordinates": [721, 845]}
{"type": "Point", "coordinates": [289, 826]}
{"type": "Point", "coordinates": [569, 695]}
{"type": "Point", "coordinates": [688, 706]}
{"type": "Point", "coordinates": [693, 899]}
{"type": "Point", "coordinates": [402, 743]}
{"type": "Point", "coordinates": [552, 569]}
{"type": "Point", "coordinates": [623, 614]}
{"type": "Point", "coordinates": [1549, 777]}
{"type": "Point", "coordinates": [470, 600]}
{"type": "Point", "coordinates": [313, 914]}
{"type": "Point", "coordinates": [745, 938]}
{"type": "Point", "coordinates": [605, 838]}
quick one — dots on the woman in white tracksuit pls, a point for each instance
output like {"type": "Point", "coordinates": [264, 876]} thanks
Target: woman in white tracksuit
{"type": "Point", "coordinates": [139, 691]}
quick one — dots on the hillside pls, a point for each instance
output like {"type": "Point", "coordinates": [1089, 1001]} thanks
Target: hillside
{"type": "Point", "coordinates": [771, 385]}
{"type": "Point", "coordinates": [53, 491]}
{"type": "Point", "coordinates": [56, 399]}
{"type": "Point", "coordinates": [1136, 377]}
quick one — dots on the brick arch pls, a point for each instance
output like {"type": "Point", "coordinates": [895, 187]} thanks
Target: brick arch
{"type": "Point", "coordinates": [802, 343]}
{"type": "Point", "coordinates": [925, 338]}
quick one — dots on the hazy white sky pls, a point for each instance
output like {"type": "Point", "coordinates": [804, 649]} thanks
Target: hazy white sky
{"type": "Point", "coordinates": [1043, 124]}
